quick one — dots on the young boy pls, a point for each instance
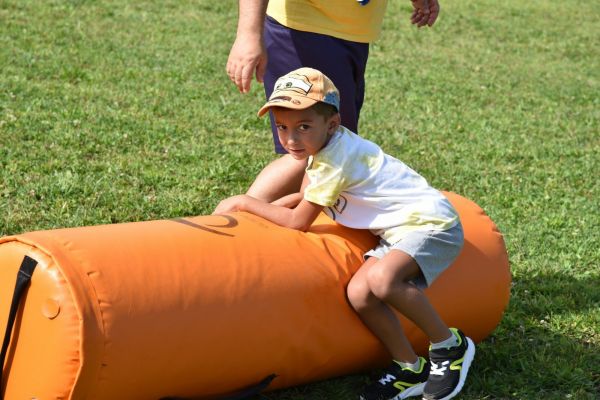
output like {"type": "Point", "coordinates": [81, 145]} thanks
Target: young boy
{"type": "Point", "coordinates": [358, 185]}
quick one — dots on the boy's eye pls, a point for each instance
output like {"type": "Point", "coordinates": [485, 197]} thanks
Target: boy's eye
{"type": "Point", "coordinates": [281, 127]}
{"type": "Point", "coordinates": [304, 127]}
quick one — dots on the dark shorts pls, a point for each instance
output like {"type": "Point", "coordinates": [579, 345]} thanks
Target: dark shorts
{"type": "Point", "coordinates": [343, 61]}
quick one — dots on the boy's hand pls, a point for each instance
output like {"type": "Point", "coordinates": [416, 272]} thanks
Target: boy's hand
{"type": "Point", "coordinates": [230, 204]}
{"type": "Point", "coordinates": [425, 12]}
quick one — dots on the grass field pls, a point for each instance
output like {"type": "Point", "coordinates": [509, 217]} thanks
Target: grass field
{"type": "Point", "coordinates": [115, 111]}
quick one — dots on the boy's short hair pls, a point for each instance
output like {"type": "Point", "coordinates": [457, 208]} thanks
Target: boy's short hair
{"type": "Point", "coordinates": [325, 110]}
{"type": "Point", "coordinates": [301, 89]}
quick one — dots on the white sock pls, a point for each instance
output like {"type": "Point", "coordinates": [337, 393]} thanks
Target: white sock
{"type": "Point", "coordinates": [415, 367]}
{"type": "Point", "coordinates": [450, 342]}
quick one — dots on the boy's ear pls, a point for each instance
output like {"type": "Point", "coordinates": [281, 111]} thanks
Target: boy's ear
{"type": "Point", "coordinates": [334, 122]}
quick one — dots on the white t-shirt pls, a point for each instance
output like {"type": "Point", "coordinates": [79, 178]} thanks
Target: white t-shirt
{"type": "Point", "coordinates": [362, 187]}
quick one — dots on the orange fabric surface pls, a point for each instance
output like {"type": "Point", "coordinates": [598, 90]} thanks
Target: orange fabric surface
{"type": "Point", "coordinates": [207, 305]}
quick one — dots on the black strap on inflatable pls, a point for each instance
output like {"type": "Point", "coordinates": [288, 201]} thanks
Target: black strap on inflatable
{"type": "Point", "coordinates": [241, 395]}
{"type": "Point", "coordinates": [23, 278]}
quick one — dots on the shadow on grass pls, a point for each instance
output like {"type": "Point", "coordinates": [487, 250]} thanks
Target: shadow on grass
{"type": "Point", "coordinates": [546, 346]}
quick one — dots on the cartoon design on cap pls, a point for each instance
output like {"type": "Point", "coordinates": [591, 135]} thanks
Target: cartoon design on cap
{"type": "Point", "coordinates": [301, 89]}
{"type": "Point", "coordinates": [297, 83]}
{"type": "Point", "coordinates": [284, 98]}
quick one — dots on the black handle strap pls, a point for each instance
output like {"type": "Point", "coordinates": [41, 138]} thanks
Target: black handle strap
{"type": "Point", "coordinates": [241, 395]}
{"type": "Point", "coordinates": [23, 278]}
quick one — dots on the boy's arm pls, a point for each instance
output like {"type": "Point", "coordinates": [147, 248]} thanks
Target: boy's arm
{"type": "Point", "coordinates": [289, 201]}
{"type": "Point", "coordinates": [299, 218]}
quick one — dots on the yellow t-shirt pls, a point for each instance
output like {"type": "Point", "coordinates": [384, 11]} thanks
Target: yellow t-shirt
{"type": "Point", "coordinates": [344, 19]}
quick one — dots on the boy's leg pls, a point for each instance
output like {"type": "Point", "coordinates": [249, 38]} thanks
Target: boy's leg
{"type": "Point", "coordinates": [400, 380]}
{"type": "Point", "coordinates": [389, 281]}
{"type": "Point", "coordinates": [378, 316]}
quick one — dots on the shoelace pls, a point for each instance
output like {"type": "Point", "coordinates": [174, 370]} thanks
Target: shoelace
{"type": "Point", "coordinates": [439, 368]}
{"type": "Point", "coordinates": [387, 379]}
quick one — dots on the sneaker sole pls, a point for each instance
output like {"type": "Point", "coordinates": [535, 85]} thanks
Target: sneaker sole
{"type": "Point", "coordinates": [469, 355]}
{"type": "Point", "coordinates": [416, 390]}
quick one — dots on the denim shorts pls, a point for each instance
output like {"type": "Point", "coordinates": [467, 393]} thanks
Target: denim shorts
{"type": "Point", "coordinates": [433, 251]}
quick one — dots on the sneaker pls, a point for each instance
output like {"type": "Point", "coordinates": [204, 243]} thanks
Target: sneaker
{"type": "Point", "coordinates": [449, 368]}
{"type": "Point", "coordinates": [398, 383]}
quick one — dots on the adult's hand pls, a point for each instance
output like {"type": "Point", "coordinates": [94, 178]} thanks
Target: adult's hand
{"type": "Point", "coordinates": [425, 12]}
{"type": "Point", "coordinates": [247, 57]}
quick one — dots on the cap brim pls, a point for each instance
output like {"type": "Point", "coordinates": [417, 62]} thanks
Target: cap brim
{"type": "Point", "coordinates": [294, 103]}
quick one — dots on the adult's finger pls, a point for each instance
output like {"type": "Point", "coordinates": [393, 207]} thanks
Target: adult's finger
{"type": "Point", "coordinates": [414, 17]}
{"type": "Point", "coordinates": [237, 77]}
{"type": "Point", "coordinates": [424, 18]}
{"type": "Point", "coordinates": [435, 11]}
{"type": "Point", "coordinates": [260, 70]}
{"type": "Point", "coordinates": [417, 17]}
{"type": "Point", "coordinates": [246, 79]}
{"type": "Point", "coordinates": [230, 69]}
{"type": "Point", "coordinates": [420, 18]}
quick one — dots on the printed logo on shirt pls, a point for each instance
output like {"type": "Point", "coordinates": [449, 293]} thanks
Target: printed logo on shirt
{"type": "Point", "coordinates": [338, 207]}
{"type": "Point", "coordinates": [297, 83]}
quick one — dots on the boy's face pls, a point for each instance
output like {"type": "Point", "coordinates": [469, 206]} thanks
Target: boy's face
{"type": "Point", "coordinates": [303, 132]}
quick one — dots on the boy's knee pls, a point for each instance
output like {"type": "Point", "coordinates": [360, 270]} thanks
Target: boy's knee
{"type": "Point", "coordinates": [380, 283]}
{"type": "Point", "coordinates": [359, 294]}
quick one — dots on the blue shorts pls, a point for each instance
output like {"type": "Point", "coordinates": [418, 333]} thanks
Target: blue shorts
{"type": "Point", "coordinates": [433, 251]}
{"type": "Point", "coordinates": [343, 61]}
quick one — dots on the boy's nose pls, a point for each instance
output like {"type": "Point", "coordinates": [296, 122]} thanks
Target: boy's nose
{"type": "Point", "coordinates": [293, 138]}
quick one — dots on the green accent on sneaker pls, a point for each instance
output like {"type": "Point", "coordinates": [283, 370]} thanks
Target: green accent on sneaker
{"type": "Point", "coordinates": [402, 386]}
{"type": "Point", "coordinates": [457, 365]}
{"type": "Point", "coordinates": [455, 332]}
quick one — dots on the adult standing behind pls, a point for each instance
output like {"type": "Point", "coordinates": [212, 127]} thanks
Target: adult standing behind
{"type": "Point", "coordinates": [333, 36]}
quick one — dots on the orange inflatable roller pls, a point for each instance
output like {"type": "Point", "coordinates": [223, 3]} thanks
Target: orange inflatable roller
{"type": "Point", "coordinates": [205, 306]}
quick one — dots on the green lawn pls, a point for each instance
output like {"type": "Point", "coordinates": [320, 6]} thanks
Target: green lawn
{"type": "Point", "coordinates": [115, 111]}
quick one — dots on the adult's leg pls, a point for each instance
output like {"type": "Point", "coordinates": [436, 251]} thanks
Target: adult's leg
{"type": "Point", "coordinates": [281, 177]}
{"type": "Point", "coordinates": [343, 61]}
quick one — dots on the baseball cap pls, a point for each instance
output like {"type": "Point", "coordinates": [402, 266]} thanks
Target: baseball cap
{"type": "Point", "coordinates": [301, 89]}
